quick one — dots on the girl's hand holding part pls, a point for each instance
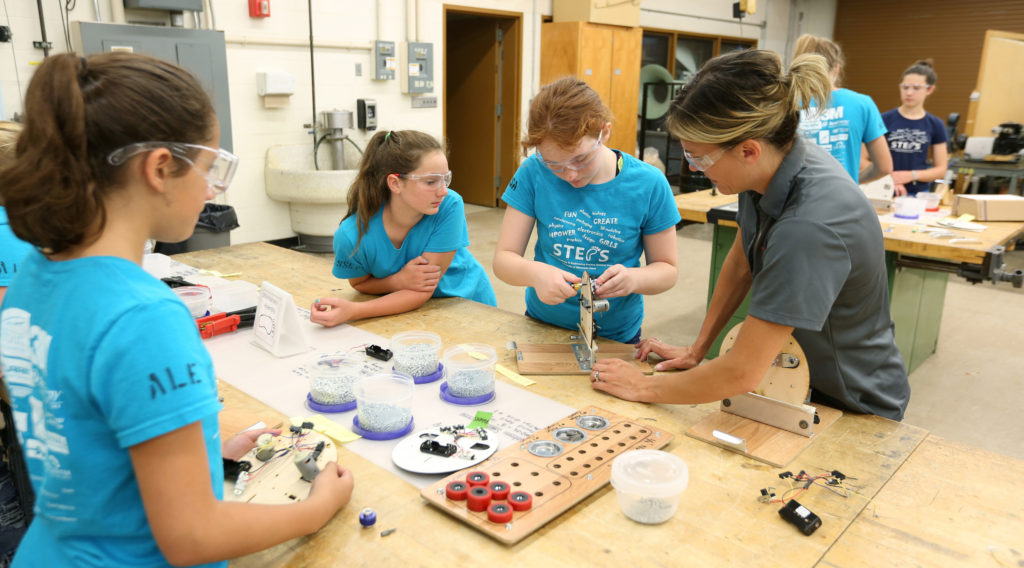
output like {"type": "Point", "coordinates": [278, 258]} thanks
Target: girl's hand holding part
{"type": "Point", "coordinates": [616, 281]}
{"type": "Point", "coordinates": [554, 286]}
{"type": "Point", "coordinates": [330, 312]}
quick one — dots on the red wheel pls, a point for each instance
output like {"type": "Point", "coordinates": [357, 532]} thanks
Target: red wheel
{"type": "Point", "coordinates": [499, 491]}
{"type": "Point", "coordinates": [479, 498]}
{"type": "Point", "coordinates": [499, 513]}
{"type": "Point", "coordinates": [520, 500]}
{"type": "Point", "coordinates": [456, 491]}
{"type": "Point", "coordinates": [475, 478]}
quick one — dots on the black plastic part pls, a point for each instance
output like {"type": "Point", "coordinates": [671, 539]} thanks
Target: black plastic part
{"type": "Point", "coordinates": [176, 281]}
{"type": "Point", "coordinates": [801, 517]}
{"type": "Point", "coordinates": [435, 448]}
{"type": "Point", "coordinates": [378, 352]}
{"type": "Point", "coordinates": [232, 468]}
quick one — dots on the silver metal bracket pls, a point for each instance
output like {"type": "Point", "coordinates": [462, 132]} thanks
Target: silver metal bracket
{"type": "Point", "coordinates": [790, 417]}
{"type": "Point", "coordinates": [584, 356]}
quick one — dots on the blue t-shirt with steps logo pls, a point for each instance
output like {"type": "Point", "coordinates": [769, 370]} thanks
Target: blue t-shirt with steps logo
{"type": "Point", "coordinates": [590, 229]}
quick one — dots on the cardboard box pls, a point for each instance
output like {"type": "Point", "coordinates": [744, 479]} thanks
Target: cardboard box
{"type": "Point", "coordinates": [990, 207]}
{"type": "Point", "coordinates": [622, 13]}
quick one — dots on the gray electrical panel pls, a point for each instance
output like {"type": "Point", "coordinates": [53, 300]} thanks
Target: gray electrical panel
{"type": "Point", "coordinates": [383, 60]}
{"type": "Point", "coordinates": [175, 5]}
{"type": "Point", "coordinates": [203, 52]}
{"type": "Point", "coordinates": [416, 67]}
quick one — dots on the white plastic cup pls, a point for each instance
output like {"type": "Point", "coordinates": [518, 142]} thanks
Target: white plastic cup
{"type": "Point", "coordinates": [469, 369]}
{"type": "Point", "coordinates": [196, 299]}
{"type": "Point", "coordinates": [649, 484]}
{"type": "Point", "coordinates": [333, 377]}
{"type": "Point", "coordinates": [384, 401]}
{"type": "Point", "coordinates": [416, 353]}
{"type": "Point", "coordinates": [931, 200]}
{"type": "Point", "coordinates": [906, 207]}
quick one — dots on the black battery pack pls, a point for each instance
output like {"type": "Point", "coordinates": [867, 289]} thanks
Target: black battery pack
{"type": "Point", "coordinates": [378, 352]}
{"type": "Point", "coordinates": [801, 517]}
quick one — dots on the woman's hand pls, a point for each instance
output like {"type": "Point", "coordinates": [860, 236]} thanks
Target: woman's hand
{"type": "Point", "coordinates": [330, 312]}
{"type": "Point", "coordinates": [674, 357]}
{"type": "Point", "coordinates": [615, 281]}
{"type": "Point", "coordinates": [553, 285]}
{"type": "Point", "coordinates": [238, 445]}
{"type": "Point", "coordinates": [619, 378]}
{"type": "Point", "coordinates": [418, 275]}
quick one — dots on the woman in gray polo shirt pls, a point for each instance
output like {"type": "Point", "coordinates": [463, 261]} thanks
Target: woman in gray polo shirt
{"type": "Point", "coordinates": [809, 249]}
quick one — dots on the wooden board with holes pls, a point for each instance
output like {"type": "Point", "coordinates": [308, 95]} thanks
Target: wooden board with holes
{"type": "Point", "coordinates": [558, 466]}
{"type": "Point", "coordinates": [278, 481]}
{"type": "Point", "coordinates": [559, 359]}
{"type": "Point", "coordinates": [765, 443]}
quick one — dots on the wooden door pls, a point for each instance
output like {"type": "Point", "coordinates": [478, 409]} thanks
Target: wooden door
{"type": "Point", "coordinates": [471, 89]}
{"type": "Point", "coordinates": [624, 90]}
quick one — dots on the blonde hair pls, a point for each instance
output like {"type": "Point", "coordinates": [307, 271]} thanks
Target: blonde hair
{"type": "Point", "coordinates": [565, 111]}
{"type": "Point", "coordinates": [826, 48]}
{"type": "Point", "coordinates": [745, 95]}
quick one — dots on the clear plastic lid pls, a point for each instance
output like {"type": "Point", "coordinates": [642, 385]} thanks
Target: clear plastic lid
{"type": "Point", "coordinates": [650, 472]}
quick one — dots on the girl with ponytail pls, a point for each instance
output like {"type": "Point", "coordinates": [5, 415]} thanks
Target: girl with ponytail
{"type": "Point", "coordinates": [404, 238]}
{"type": "Point", "coordinates": [808, 250]}
{"type": "Point", "coordinates": [103, 361]}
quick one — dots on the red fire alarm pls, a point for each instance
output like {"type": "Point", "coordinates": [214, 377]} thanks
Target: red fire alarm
{"type": "Point", "coordinates": [259, 8]}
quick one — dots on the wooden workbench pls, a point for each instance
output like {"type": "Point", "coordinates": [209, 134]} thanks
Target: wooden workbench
{"type": "Point", "coordinates": [719, 522]}
{"type": "Point", "coordinates": [917, 294]}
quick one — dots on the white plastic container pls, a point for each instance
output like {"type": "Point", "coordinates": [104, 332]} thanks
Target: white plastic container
{"type": "Point", "coordinates": [416, 353]}
{"type": "Point", "coordinates": [906, 207]}
{"type": "Point", "coordinates": [648, 484]}
{"type": "Point", "coordinates": [196, 298]}
{"type": "Point", "coordinates": [384, 402]}
{"type": "Point", "coordinates": [469, 369]}
{"type": "Point", "coordinates": [931, 200]}
{"type": "Point", "coordinates": [333, 378]}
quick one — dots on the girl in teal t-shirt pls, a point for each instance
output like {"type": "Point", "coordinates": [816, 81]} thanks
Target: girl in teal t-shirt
{"type": "Point", "coordinates": [404, 238]}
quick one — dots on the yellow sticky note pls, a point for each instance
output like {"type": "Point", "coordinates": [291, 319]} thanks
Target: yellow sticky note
{"type": "Point", "coordinates": [966, 218]}
{"type": "Point", "coordinates": [327, 427]}
{"type": "Point", "coordinates": [513, 375]}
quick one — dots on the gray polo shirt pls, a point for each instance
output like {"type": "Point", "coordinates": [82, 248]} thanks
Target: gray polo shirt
{"type": "Point", "coordinates": [821, 269]}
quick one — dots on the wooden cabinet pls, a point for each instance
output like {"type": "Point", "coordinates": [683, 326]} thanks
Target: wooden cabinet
{"type": "Point", "coordinates": [608, 59]}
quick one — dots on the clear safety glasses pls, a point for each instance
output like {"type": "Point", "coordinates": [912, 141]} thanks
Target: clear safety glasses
{"type": "Point", "coordinates": [218, 176]}
{"type": "Point", "coordinates": [702, 163]}
{"type": "Point", "coordinates": [432, 180]}
{"type": "Point", "coordinates": [577, 163]}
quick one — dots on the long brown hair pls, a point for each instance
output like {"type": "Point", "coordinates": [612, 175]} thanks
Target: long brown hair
{"type": "Point", "coordinates": [745, 95]}
{"type": "Point", "coordinates": [824, 47]}
{"type": "Point", "coordinates": [77, 111]}
{"type": "Point", "coordinates": [565, 111]}
{"type": "Point", "coordinates": [390, 152]}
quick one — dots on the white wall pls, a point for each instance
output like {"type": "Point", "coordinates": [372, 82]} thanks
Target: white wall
{"type": "Point", "coordinates": [347, 27]}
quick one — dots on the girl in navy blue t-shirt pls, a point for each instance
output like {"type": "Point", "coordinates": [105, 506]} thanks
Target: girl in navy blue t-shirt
{"type": "Point", "coordinates": [913, 132]}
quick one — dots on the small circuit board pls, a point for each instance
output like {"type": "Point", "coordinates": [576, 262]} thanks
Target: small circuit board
{"type": "Point", "coordinates": [523, 487]}
{"type": "Point", "coordinates": [444, 449]}
{"type": "Point", "coordinates": [281, 468]}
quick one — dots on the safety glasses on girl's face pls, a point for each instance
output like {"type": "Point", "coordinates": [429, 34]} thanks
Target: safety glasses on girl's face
{"type": "Point", "coordinates": [218, 176]}
{"type": "Point", "coordinates": [702, 163]}
{"type": "Point", "coordinates": [431, 180]}
{"type": "Point", "coordinates": [577, 163]}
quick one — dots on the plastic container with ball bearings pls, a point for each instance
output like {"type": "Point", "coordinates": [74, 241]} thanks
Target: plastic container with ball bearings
{"type": "Point", "coordinates": [469, 373]}
{"type": "Point", "coordinates": [196, 298]}
{"type": "Point", "coordinates": [418, 354]}
{"type": "Point", "coordinates": [332, 382]}
{"type": "Point", "coordinates": [649, 484]}
{"type": "Point", "coordinates": [383, 406]}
